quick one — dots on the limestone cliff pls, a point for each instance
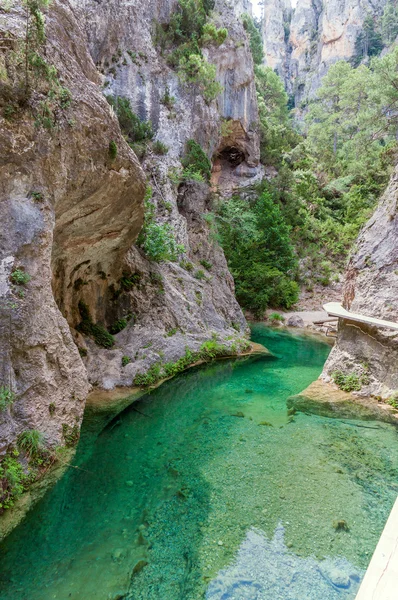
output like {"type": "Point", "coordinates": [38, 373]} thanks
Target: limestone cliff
{"type": "Point", "coordinates": [276, 30]}
{"type": "Point", "coordinates": [318, 33]}
{"type": "Point", "coordinates": [71, 211]}
{"type": "Point", "coordinates": [371, 288]}
{"type": "Point", "coordinates": [64, 207]}
{"type": "Point", "coordinates": [180, 304]}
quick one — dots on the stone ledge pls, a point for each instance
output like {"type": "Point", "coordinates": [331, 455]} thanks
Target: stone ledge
{"type": "Point", "coordinates": [326, 400]}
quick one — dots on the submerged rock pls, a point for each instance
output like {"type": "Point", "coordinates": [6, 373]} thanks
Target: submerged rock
{"type": "Point", "coordinates": [325, 399]}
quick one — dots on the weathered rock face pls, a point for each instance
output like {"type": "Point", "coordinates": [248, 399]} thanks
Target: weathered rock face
{"type": "Point", "coordinates": [197, 303]}
{"type": "Point", "coordinates": [68, 213]}
{"type": "Point", "coordinates": [276, 28]}
{"type": "Point", "coordinates": [371, 289]}
{"type": "Point", "coordinates": [71, 212]}
{"type": "Point", "coordinates": [321, 33]}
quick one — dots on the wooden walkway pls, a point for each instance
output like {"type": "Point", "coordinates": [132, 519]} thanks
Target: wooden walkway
{"type": "Point", "coordinates": [381, 578]}
{"type": "Point", "coordinates": [334, 309]}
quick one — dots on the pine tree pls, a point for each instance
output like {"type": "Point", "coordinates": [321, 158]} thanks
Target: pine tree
{"type": "Point", "coordinates": [389, 23]}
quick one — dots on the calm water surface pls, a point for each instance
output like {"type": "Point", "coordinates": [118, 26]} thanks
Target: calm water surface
{"type": "Point", "coordinates": [212, 491]}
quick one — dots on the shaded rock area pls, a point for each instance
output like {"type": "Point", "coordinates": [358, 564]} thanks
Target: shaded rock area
{"type": "Point", "coordinates": [327, 400]}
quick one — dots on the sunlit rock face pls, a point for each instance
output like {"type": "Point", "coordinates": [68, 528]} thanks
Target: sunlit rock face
{"type": "Point", "coordinates": [371, 289]}
{"type": "Point", "coordinates": [302, 42]}
{"type": "Point", "coordinates": [276, 30]}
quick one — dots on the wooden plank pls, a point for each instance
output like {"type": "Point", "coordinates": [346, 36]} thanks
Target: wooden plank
{"type": "Point", "coordinates": [381, 578]}
{"type": "Point", "coordinates": [335, 309]}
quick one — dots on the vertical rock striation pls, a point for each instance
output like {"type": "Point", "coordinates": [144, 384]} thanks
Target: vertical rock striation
{"type": "Point", "coordinates": [318, 33]}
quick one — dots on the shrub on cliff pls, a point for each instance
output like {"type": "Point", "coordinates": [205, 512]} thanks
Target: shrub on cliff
{"type": "Point", "coordinates": [256, 43]}
{"type": "Point", "coordinates": [94, 330]}
{"type": "Point", "coordinates": [196, 160]}
{"type": "Point", "coordinates": [131, 125]}
{"type": "Point", "coordinates": [157, 239]}
{"type": "Point", "coordinates": [7, 397]}
{"type": "Point", "coordinates": [12, 478]}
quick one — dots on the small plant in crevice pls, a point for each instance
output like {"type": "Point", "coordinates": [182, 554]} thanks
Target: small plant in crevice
{"type": "Point", "coordinates": [167, 99]}
{"type": "Point", "coordinates": [187, 265]}
{"type": "Point", "coordinates": [159, 148]}
{"type": "Point", "coordinates": [129, 280]}
{"type": "Point", "coordinates": [126, 360]}
{"type": "Point", "coordinates": [118, 326]}
{"type": "Point", "coordinates": [70, 434]}
{"type": "Point", "coordinates": [112, 150]}
{"type": "Point", "coordinates": [94, 330]}
{"type": "Point", "coordinates": [199, 274]}
{"type": "Point", "coordinates": [37, 196]}
{"type": "Point", "coordinates": [31, 442]}
{"type": "Point", "coordinates": [206, 264]}
{"type": "Point", "coordinates": [7, 397]}
{"type": "Point", "coordinates": [171, 332]}
{"type": "Point", "coordinates": [52, 408]}
{"type": "Point", "coordinates": [348, 382]}
{"type": "Point", "coordinates": [20, 277]}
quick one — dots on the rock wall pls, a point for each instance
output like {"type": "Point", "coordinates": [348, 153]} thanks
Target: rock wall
{"type": "Point", "coordinates": [72, 213]}
{"type": "Point", "coordinates": [181, 304]}
{"type": "Point", "coordinates": [371, 288]}
{"type": "Point", "coordinates": [276, 31]}
{"type": "Point", "coordinates": [320, 33]}
{"type": "Point", "coordinates": [66, 210]}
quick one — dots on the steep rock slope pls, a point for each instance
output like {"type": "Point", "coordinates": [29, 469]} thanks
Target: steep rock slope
{"type": "Point", "coordinates": [181, 304]}
{"type": "Point", "coordinates": [277, 16]}
{"type": "Point", "coordinates": [371, 289]}
{"type": "Point", "coordinates": [64, 206]}
{"type": "Point", "coordinates": [317, 34]}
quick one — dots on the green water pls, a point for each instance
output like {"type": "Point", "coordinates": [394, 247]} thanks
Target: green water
{"type": "Point", "coordinates": [196, 497]}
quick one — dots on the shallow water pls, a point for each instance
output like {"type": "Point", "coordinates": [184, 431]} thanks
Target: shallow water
{"type": "Point", "coordinates": [213, 491]}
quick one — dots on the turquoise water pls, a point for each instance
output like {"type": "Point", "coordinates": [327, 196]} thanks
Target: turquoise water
{"type": "Point", "coordinates": [213, 491]}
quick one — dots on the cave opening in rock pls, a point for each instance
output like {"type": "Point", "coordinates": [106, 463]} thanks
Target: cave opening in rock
{"type": "Point", "coordinates": [232, 155]}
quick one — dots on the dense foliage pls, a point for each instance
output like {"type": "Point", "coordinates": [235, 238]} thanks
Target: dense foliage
{"type": "Point", "coordinates": [157, 239]}
{"type": "Point", "coordinates": [256, 242]}
{"type": "Point", "coordinates": [300, 226]}
{"type": "Point", "coordinates": [253, 29]}
{"type": "Point", "coordinates": [182, 39]}
{"type": "Point", "coordinates": [195, 161]}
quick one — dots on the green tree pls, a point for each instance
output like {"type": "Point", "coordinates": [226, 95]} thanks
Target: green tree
{"type": "Point", "coordinates": [256, 241]}
{"type": "Point", "coordinates": [369, 42]}
{"type": "Point", "coordinates": [253, 28]}
{"type": "Point", "coordinates": [389, 22]}
{"type": "Point", "coordinates": [277, 135]}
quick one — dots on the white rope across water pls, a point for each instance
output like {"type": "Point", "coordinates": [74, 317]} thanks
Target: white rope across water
{"type": "Point", "coordinates": [335, 309]}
